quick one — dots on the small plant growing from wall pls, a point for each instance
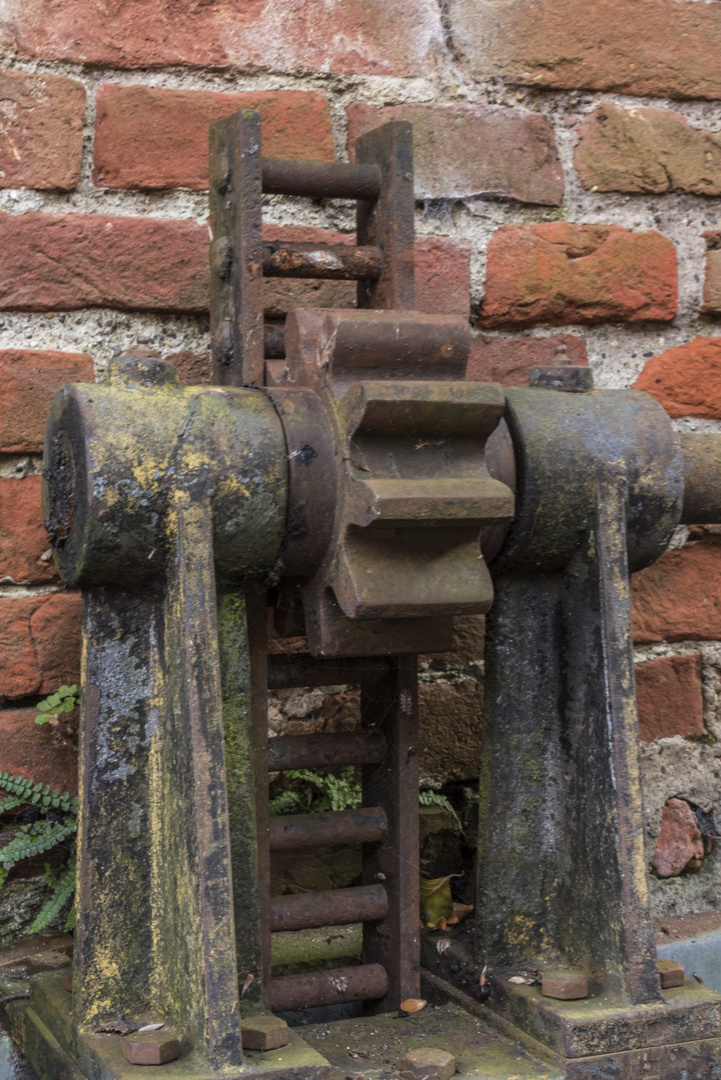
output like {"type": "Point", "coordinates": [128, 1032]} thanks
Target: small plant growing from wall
{"type": "Point", "coordinates": [46, 819]}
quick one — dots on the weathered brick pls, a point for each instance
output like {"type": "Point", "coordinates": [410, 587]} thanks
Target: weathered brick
{"type": "Point", "coordinates": [148, 137]}
{"type": "Point", "coordinates": [653, 48]}
{"type": "Point", "coordinates": [63, 262]}
{"type": "Point", "coordinates": [562, 273]}
{"type": "Point", "coordinates": [56, 262]}
{"type": "Point", "coordinates": [193, 368]}
{"type": "Point", "coordinates": [29, 380]}
{"type": "Point", "coordinates": [712, 279]}
{"type": "Point", "coordinates": [464, 150]}
{"type": "Point", "coordinates": [647, 150]}
{"type": "Point", "coordinates": [361, 37]}
{"type": "Point", "coordinates": [443, 275]}
{"type": "Point", "coordinates": [669, 695]}
{"type": "Point", "coordinates": [24, 544]}
{"type": "Point", "coordinates": [35, 752]}
{"type": "Point", "coordinates": [679, 597]}
{"type": "Point", "coordinates": [509, 360]}
{"type": "Point", "coordinates": [39, 643]}
{"type": "Point", "coordinates": [41, 131]}
{"type": "Point", "coordinates": [686, 380]}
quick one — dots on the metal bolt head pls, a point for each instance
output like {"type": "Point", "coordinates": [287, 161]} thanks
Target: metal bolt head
{"type": "Point", "coordinates": [670, 974]}
{"type": "Point", "coordinates": [564, 984]}
{"type": "Point", "coordinates": [153, 1048]}
{"type": "Point", "coordinates": [428, 1064]}
{"type": "Point", "coordinates": [263, 1032]}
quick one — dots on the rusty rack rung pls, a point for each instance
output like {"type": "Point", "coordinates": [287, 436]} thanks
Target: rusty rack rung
{"type": "Point", "coordinates": [287, 670]}
{"type": "Point", "coordinates": [367, 982]}
{"type": "Point", "coordinates": [336, 907]}
{"type": "Point", "coordinates": [321, 179]}
{"type": "Point", "coordinates": [346, 262]}
{"type": "Point", "coordinates": [363, 826]}
{"type": "Point", "coordinates": [318, 751]}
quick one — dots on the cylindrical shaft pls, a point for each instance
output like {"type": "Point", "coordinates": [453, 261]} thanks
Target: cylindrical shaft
{"type": "Point", "coordinates": [367, 982]}
{"type": "Point", "coordinates": [702, 478]}
{"type": "Point", "coordinates": [286, 670]}
{"type": "Point", "coordinates": [335, 261]}
{"type": "Point", "coordinates": [337, 907]}
{"type": "Point", "coordinates": [316, 751]}
{"type": "Point", "coordinates": [321, 179]}
{"type": "Point", "coordinates": [364, 826]}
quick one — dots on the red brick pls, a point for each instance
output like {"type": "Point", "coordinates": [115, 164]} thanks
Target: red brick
{"type": "Point", "coordinates": [64, 262]}
{"type": "Point", "coordinates": [464, 150]}
{"type": "Point", "coordinates": [35, 752]}
{"type": "Point", "coordinates": [193, 368]}
{"type": "Point", "coordinates": [443, 275]}
{"type": "Point", "coordinates": [23, 539]}
{"type": "Point", "coordinates": [562, 273]}
{"type": "Point", "coordinates": [39, 643]}
{"type": "Point", "coordinates": [652, 48]}
{"type": "Point", "coordinates": [712, 280]}
{"type": "Point", "coordinates": [61, 262]}
{"type": "Point", "coordinates": [361, 37]}
{"type": "Point", "coordinates": [647, 150]}
{"type": "Point", "coordinates": [679, 597]}
{"type": "Point", "coordinates": [41, 131]}
{"type": "Point", "coordinates": [669, 695]}
{"type": "Point", "coordinates": [509, 360]}
{"type": "Point", "coordinates": [29, 380]}
{"type": "Point", "coordinates": [146, 137]}
{"type": "Point", "coordinates": [679, 840]}
{"type": "Point", "coordinates": [686, 380]}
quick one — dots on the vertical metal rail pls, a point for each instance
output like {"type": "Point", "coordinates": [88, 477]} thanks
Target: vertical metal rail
{"type": "Point", "coordinates": [383, 264]}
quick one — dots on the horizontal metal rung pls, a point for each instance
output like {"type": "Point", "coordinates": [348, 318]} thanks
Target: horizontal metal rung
{"type": "Point", "coordinates": [321, 179]}
{"type": "Point", "coordinates": [316, 751]}
{"type": "Point", "coordinates": [334, 261]}
{"type": "Point", "coordinates": [367, 825]}
{"type": "Point", "coordinates": [336, 907]}
{"type": "Point", "coordinates": [367, 982]}
{"type": "Point", "coordinates": [286, 670]}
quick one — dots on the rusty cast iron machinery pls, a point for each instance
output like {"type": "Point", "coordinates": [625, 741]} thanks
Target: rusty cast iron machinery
{"type": "Point", "coordinates": [344, 460]}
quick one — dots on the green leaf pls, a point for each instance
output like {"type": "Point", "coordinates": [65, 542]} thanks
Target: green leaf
{"type": "Point", "coordinates": [44, 706]}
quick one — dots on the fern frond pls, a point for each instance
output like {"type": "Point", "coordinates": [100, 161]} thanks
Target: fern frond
{"type": "Point", "coordinates": [62, 892]}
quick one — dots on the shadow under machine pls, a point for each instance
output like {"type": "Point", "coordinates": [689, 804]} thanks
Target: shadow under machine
{"type": "Point", "coordinates": [345, 461]}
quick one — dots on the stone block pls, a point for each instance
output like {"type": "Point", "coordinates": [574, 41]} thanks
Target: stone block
{"type": "Point", "coordinates": [24, 545]}
{"type": "Point", "coordinates": [679, 842]}
{"type": "Point", "coordinates": [39, 643]}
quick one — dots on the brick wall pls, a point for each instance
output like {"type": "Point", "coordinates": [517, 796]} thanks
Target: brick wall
{"type": "Point", "coordinates": [569, 203]}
